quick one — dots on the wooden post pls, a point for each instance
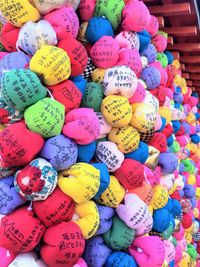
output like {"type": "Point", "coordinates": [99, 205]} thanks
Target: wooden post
{"type": "Point", "coordinates": [190, 59]}
{"type": "Point", "coordinates": [161, 21]}
{"type": "Point", "coordinates": [181, 31]}
{"type": "Point", "coordinates": [189, 83]}
{"type": "Point", "coordinates": [195, 77]}
{"type": "Point", "coordinates": [186, 75]}
{"type": "Point", "coordinates": [170, 41]}
{"type": "Point", "coordinates": [193, 69]}
{"type": "Point", "coordinates": [184, 47]}
{"type": "Point", "coordinates": [171, 10]}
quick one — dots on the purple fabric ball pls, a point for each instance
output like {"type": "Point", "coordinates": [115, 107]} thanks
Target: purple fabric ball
{"type": "Point", "coordinates": [151, 76]}
{"type": "Point", "coordinates": [150, 53]}
{"type": "Point", "coordinates": [96, 252]}
{"type": "Point", "coordinates": [9, 198]}
{"type": "Point", "coordinates": [105, 214]}
{"type": "Point", "coordinates": [60, 151]}
{"type": "Point", "coordinates": [168, 162]}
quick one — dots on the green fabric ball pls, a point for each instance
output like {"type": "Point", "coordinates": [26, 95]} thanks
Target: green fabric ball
{"type": "Point", "coordinates": [189, 167]}
{"type": "Point", "coordinates": [93, 96]}
{"type": "Point", "coordinates": [120, 236]}
{"type": "Point", "coordinates": [175, 147]}
{"type": "Point", "coordinates": [163, 59]}
{"type": "Point", "coordinates": [46, 117]}
{"type": "Point", "coordinates": [21, 88]}
{"type": "Point", "coordinates": [168, 232]}
{"type": "Point", "coordinates": [111, 9]}
{"type": "Point", "coordinates": [192, 251]}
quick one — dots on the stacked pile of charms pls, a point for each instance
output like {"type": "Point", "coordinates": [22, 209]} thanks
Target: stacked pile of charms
{"type": "Point", "coordinates": [99, 139]}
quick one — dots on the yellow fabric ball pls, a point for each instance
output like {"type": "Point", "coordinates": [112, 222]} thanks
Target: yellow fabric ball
{"type": "Point", "coordinates": [113, 195]}
{"type": "Point", "coordinates": [152, 160]}
{"type": "Point", "coordinates": [52, 63]}
{"type": "Point", "coordinates": [81, 182]}
{"type": "Point", "coordinates": [98, 75]}
{"type": "Point", "coordinates": [191, 179]}
{"type": "Point", "coordinates": [116, 110]}
{"type": "Point", "coordinates": [18, 12]}
{"type": "Point", "coordinates": [88, 219]}
{"type": "Point", "coordinates": [144, 117]}
{"type": "Point", "coordinates": [127, 139]}
{"type": "Point", "coordinates": [166, 113]}
{"type": "Point", "coordinates": [196, 213]}
{"type": "Point", "coordinates": [160, 197]}
{"type": "Point", "coordinates": [185, 261]}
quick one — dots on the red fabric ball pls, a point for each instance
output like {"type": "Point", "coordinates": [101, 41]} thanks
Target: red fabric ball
{"type": "Point", "coordinates": [64, 245]}
{"type": "Point", "coordinates": [168, 131]}
{"type": "Point", "coordinates": [176, 195]}
{"type": "Point", "coordinates": [67, 94]}
{"type": "Point", "coordinates": [9, 37]}
{"type": "Point", "coordinates": [130, 174]}
{"type": "Point", "coordinates": [77, 54]}
{"type": "Point", "coordinates": [159, 141]}
{"type": "Point", "coordinates": [181, 131]}
{"type": "Point", "coordinates": [160, 93]}
{"type": "Point", "coordinates": [17, 147]}
{"type": "Point", "coordinates": [58, 207]}
{"type": "Point", "coordinates": [187, 220]}
{"type": "Point", "coordinates": [20, 231]}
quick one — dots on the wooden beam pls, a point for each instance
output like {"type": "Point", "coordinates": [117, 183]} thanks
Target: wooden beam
{"type": "Point", "coordinates": [184, 47]}
{"type": "Point", "coordinates": [161, 22]}
{"type": "Point", "coordinates": [182, 66]}
{"type": "Point", "coordinates": [176, 55]}
{"type": "Point", "coordinates": [196, 83]}
{"type": "Point", "coordinates": [171, 10]}
{"type": "Point", "coordinates": [170, 40]}
{"type": "Point", "coordinates": [193, 69]}
{"type": "Point", "coordinates": [181, 31]}
{"type": "Point", "coordinates": [195, 77]}
{"type": "Point", "coordinates": [185, 75]}
{"type": "Point", "coordinates": [190, 59]}
{"type": "Point", "coordinates": [189, 83]}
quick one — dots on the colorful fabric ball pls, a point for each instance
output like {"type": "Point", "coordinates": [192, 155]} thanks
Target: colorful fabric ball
{"type": "Point", "coordinates": [81, 182]}
{"type": "Point", "coordinates": [36, 181]}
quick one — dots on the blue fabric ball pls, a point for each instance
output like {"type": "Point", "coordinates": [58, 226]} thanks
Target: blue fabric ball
{"type": "Point", "coordinates": [170, 57]}
{"type": "Point", "coordinates": [189, 191]}
{"type": "Point", "coordinates": [176, 208]}
{"type": "Point", "coordinates": [193, 202]}
{"type": "Point", "coordinates": [170, 141]}
{"type": "Point", "coordinates": [145, 39]}
{"type": "Point", "coordinates": [86, 152]}
{"type": "Point", "coordinates": [186, 127]}
{"type": "Point", "coordinates": [163, 124]}
{"type": "Point", "coordinates": [172, 221]}
{"type": "Point", "coordinates": [195, 138]}
{"type": "Point", "coordinates": [195, 94]}
{"type": "Point", "coordinates": [178, 89]}
{"type": "Point", "coordinates": [120, 259]}
{"type": "Point", "coordinates": [80, 83]}
{"type": "Point", "coordinates": [172, 263]}
{"type": "Point", "coordinates": [178, 97]}
{"type": "Point", "coordinates": [176, 126]}
{"type": "Point", "coordinates": [181, 168]}
{"type": "Point", "coordinates": [104, 178]}
{"type": "Point", "coordinates": [150, 53]}
{"type": "Point", "coordinates": [161, 220]}
{"type": "Point", "coordinates": [168, 206]}
{"type": "Point", "coordinates": [197, 115]}
{"type": "Point", "coordinates": [140, 154]}
{"type": "Point", "coordinates": [177, 105]}
{"type": "Point", "coordinates": [97, 28]}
